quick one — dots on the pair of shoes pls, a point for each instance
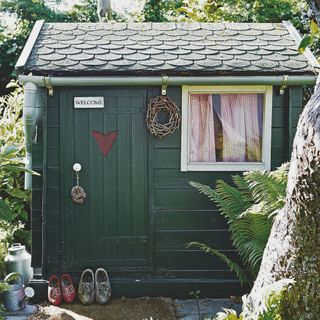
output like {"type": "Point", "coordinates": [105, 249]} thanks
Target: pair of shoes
{"type": "Point", "coordinates": [94, 287]}
{"type": "Point", "coordinates": [61, 289]}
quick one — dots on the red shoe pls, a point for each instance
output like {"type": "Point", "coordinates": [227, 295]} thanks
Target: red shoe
{"type": "Point", "coordinates": [54, 291]}
{"type": "Point", "coordinates": [68, 290]}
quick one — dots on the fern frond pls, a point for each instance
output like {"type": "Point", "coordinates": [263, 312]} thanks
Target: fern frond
{"type": "Point", "coordinates": [242, 276]}
{"type": "Point", "coordinates": [266, 186]}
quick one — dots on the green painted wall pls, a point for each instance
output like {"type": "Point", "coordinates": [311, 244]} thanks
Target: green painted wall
{"type": "Point", "coordinates": [176, 214]}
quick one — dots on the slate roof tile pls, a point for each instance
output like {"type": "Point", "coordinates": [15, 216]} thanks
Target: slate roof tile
{"type": "Point", "coordinates": [152, 63]}
{"type": "Point", "coordinates": [122, 62]}
{"type": "Point", "coordinates": [165, 56]}
{"type": "Point", "coordinates": [262, 26]}
{"type": "Point", "coordinates": [65, 62]}
{"type": "Point", "coordinates": [164, 26]}
{"type": "Point", "coordinates": [172, 47]}
{"type": "Point", "coordinates": [193, 56]}
{"type": "Point", "coordinates": [165, 46]}
{"type": "Point", "coordinates": [93, 62]}
{"type": "Point", "coordinates": [81, 56]}
{"type": "Point", "coordinates": [189, 26]}
{"type": "Point", "coordinates": [123, 50]}
{"type": "Point", "coordinates": [180, 63]}
{"type": "Point", "coordinates": [98, 42]}
{"type": "Point", "coordinates": [43, 50]}
{"type": "Point", "coordinates": [53, 56]}
{"type": "Point", "coordinates": [96, 50]}
{"type": "Point", "coordinates": [137, 56]}
{"type": "Point", "coordinates": [85, 45]}
{"type": "Point", "coordinates": [209, 63]}
{"type": "Point", "coordinates": [152, 51]}
{"type": "Point", "coordinates": [139, 46]}
{"type": "Point", "coordinates": [212, 26]}
{"type": "Point", "coordinates": [237, 63]}
{"type": "Point", "coordinates": [70, 50]}
{"type": "Point", "coordinates": [268, 37]}
{"type": "Point", "coordinates": [112, 46]}
{"type": "Point", "coordinates": [221, 57]}
{"type": "Point", "coordinates": [266, 64]}
{"type": "Point", "coordinates": [108, 56]}
{"type": "Point", "coordinates": [238, 26]}
{"type": "Point", "coordinates": [58, 45]}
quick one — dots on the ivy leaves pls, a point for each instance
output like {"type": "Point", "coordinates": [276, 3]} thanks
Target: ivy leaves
{"type": "Point", "coordinates": [309, 39]}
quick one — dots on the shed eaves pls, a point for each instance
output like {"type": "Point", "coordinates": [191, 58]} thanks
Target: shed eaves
{"type": "Point", "coordinates": [172, 48]}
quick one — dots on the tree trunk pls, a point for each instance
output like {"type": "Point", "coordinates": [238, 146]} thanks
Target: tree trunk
{"type": "Point", "coordinates": [293, 248]}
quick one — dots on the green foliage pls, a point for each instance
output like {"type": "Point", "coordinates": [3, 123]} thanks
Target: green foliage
{"type": "Point", "coordinates": [311, 38]}
{"type": "Point", "coordinates": [86, 11]}
{"type": "Point", "coordinates": [242, 10]}
{"type": "Point", "coordinates": [276, 294]}
{"type": "Point", "coordinates": [228, 314]}
{"type": "Point", "coordinates": [248, 206]}
{"type": "Point", "coordinates": [13, 39]}
{"type": "Point", "coordinates": [160, 10]}
{"type": "Point", "coordinates": [195, 294]}
{"type": "Point", "coordinates": [232, 266]}
{"type": "Point", "coordinates": [273, 303]}
{"type": "Point", "coordinates": [14, 201]}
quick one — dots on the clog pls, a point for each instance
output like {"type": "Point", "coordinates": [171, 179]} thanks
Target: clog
{"type": "Point", "coordinates": [54, 291]}
{"type": "Point", "coordinates": [102, 286]}
{"type": "Point", "coordinates": [86, 287]}
{"type": "Point", "coordinates": [67, 288]}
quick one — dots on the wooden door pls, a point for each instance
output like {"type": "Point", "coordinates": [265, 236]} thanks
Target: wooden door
{"type": "Point", "coordinates": [111, 227]}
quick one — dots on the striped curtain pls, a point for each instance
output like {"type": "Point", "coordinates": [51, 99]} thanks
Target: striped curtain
{"type": "Point", "coordinates": [201, 124]}
{"type": "Point", "coordinates": [238, 127]}
{"type": "Point", "coordinates": [240, 122]}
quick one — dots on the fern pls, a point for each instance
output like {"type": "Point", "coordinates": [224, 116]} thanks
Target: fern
{"type": "Point", "coordinates": [249, 207]}
{"type": "Point", "coordinates": [232, 265]}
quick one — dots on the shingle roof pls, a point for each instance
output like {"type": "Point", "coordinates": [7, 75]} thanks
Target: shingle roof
{"type": "Point", "coordinates": [172, 48]}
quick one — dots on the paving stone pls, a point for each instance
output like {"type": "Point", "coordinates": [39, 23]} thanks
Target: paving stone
{"type": "Point", "coordinates": [208, 308]}
{"type": "Point", "coordinates": [189, 317]}
{"type": "Point", "coordinates": [186, 307]}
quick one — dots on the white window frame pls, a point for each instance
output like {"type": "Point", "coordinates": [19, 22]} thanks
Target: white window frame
{"type": "Point", "coordinates": [265, 164]}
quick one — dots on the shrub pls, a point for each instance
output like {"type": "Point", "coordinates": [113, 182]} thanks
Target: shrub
{"type": "Point", "coordinates": [14, 201]}
{"type": "Point", "coordinates": [249, 207]}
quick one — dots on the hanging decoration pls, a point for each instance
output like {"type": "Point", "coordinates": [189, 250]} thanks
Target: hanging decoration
{"type": "Point", "coordinates": [163, 105]}
{"type": "Point", "coordinates": [105, 141]}
{"type": "Point", "coordinates": [78, 194]}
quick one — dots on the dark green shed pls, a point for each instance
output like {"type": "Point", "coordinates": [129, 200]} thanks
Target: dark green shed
{"type": "Point", "coordinates": [140, 211]}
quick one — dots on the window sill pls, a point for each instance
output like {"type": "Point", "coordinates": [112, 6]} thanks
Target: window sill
{"type": "Point", "coordinates": [230, 166]}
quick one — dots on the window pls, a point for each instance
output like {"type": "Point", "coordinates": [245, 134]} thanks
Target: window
{"type": "Point", "coordinates": [226, 128]}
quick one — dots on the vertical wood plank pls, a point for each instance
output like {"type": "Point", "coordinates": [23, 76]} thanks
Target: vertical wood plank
{"type": "Point", "coordinates": [82, 214]}
{"type": "Point", "coordinates": [124, 181]}
{"type": "Point", "coordinates": [138, 186]}
{"type": "Point", "coordinates": [110, 195]}
{"type": "Point", "coordinates": [96, 186]}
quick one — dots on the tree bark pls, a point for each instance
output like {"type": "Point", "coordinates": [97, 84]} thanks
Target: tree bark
{"type": "Point", "coordinates": [293, 248]}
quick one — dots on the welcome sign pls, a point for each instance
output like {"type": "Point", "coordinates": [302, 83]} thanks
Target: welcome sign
{"type": "Point", "coordinates": [88, 102]}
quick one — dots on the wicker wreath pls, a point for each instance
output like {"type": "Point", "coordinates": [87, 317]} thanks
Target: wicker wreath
{"type": "Point", "coordinates": [166, 105]}
{"type": "Point", "coordinates": [78, 194]}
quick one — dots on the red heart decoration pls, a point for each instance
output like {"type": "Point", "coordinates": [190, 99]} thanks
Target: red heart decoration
{"type": "Point", "coordinates": [105, 140]}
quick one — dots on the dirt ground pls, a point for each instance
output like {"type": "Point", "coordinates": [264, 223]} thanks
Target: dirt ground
{"type": "Point", "coordinates": [117, 309]}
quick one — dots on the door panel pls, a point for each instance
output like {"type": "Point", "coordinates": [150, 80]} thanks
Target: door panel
{"type": "Point", "coordinates": [111, 227]}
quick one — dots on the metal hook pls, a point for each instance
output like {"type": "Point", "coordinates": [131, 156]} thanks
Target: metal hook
{"type": "Point", "coordinates": [284, 84]}
{"type": "Point", "coordinates": [47, 84]}
{"type": "Point", "coordinates": [164, 85]}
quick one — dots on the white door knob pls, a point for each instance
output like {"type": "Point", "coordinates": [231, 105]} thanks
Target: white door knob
{"type": "Point", "coordinates": [77, 167]}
